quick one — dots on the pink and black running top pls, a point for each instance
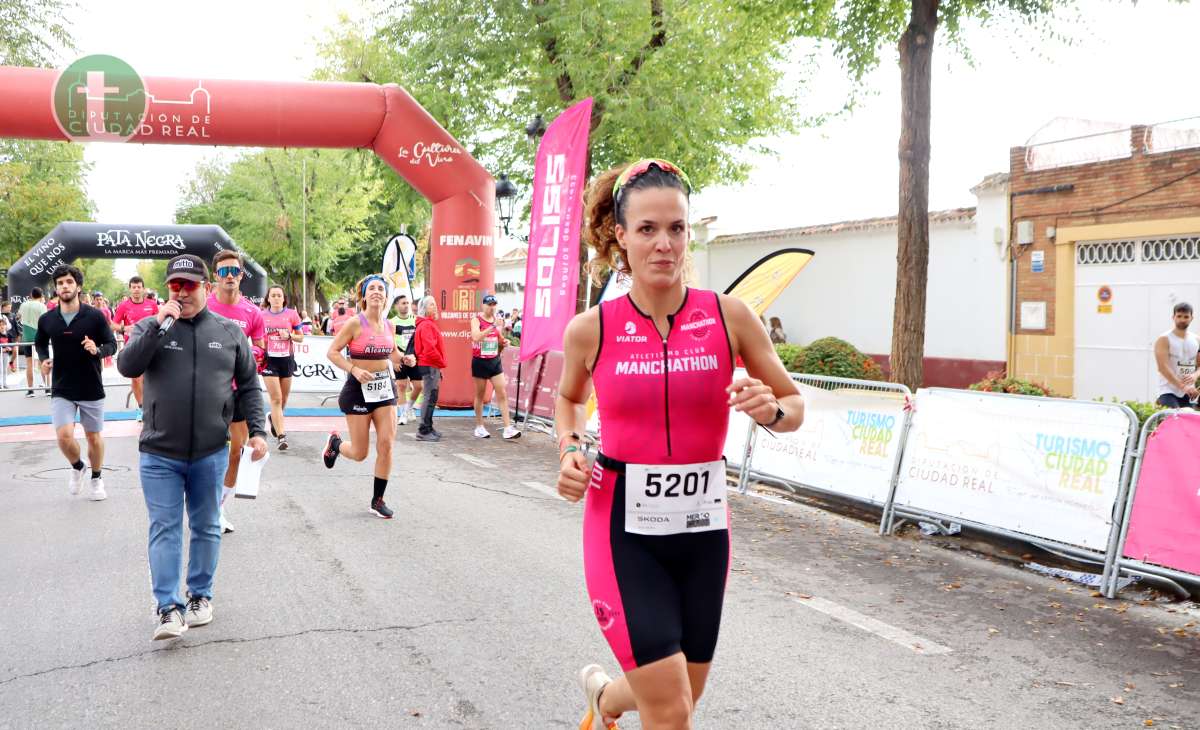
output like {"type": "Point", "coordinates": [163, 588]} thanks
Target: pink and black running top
{"type": "Point", "coordinates": [371, 345]}
{"type": "Point", "coordinates": [489, 346]}
{"type": "Point", "coordinates": [279, 327]}
{"type": "Point", "coordinates": [663, 401]}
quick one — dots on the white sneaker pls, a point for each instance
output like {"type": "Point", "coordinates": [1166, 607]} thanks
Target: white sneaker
{"type": "Point", "coordinates": [511, 432]}
{"type": "Point", "coordinates": [403, 420]}
{"type": "Point", "coordinates": [226, 525]}
{"type": "Point", "coordinates": [482, 433]}
{"type": "Point", "coordinates": [593, 680]}
{"type": "Point", "coordinates": [75, 481]}
{"type": "Point", "coordinates": [170, 625]}
{"type": "Point", "coordinates": [98, 493]}
{"type": "Point", "coordinates": [199, 612]}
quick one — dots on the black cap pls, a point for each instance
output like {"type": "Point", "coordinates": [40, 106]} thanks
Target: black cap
{"type": "Point", "coordinates": [489, 299]}
{"type": "Point", "coordinates": [187, 266]}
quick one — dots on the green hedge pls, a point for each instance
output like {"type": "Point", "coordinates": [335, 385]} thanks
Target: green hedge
{"type": "Point", "coordinates": [831, 356]}
{"type": "Point", "coordinates": [998, 382]}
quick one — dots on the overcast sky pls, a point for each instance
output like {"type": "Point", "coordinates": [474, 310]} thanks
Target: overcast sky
{"type": "Point", "coordinates": [1118, 70]}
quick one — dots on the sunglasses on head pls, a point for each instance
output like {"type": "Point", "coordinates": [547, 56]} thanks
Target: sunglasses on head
{"type": "Point", "coordinates": [642, 166]}
{"type": "Point", "coordinates": [176, 285]}
{"type": "Point", "coordinates": [228, 271]}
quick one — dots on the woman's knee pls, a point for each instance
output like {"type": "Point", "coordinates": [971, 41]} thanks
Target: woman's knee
{"type": "Point", "coordinates": [668, 712]}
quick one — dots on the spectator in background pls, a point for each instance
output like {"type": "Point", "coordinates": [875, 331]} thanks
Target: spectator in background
{"type": "Point", "coordinates": [14, 333]}
{"type": "Point", "coordinates": [306, 325]}
{"type": "Point", "coordinates": [514, 323]}
{"type": "Point", "coordinates": [31, 311]}
{"type": "Point", "coordinates": [429, 356]}
{"type": "Point", "coordinates": [778, 336]}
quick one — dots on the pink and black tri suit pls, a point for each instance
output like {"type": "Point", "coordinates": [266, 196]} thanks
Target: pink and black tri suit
{"type": "Point", "coordinates": [369, 345]}
{"type": "Point", "coordinates": [656, 537]}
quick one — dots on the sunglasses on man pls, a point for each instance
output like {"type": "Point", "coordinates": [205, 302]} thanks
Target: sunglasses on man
{"type": "Point", "coordinates": [177, 285]}
{"type": "Point", "coordinates": [228, 271]}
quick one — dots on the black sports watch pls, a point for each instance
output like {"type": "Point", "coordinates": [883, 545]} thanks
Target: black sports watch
{"type": "Point", "coordinates": [779, 414]}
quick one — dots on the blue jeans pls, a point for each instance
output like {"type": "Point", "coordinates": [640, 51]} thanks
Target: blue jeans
{"type": "Point", "coordinates": [167, 484]}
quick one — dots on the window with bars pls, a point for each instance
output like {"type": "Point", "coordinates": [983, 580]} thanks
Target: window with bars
{"type": "Point", "coordinates": [1105, 252]}
{"type": "Point", "coordinates": [1181, 248]}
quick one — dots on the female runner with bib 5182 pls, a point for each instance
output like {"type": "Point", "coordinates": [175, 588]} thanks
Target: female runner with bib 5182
{"type": "Point", "coordinates": [656, 520]}
{"type": "Point", "coordinates": [369, 395]}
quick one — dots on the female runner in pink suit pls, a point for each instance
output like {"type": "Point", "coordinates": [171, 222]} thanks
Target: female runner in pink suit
{"type": "Point", "coordinates": [283, 331]}
{"type": "Point", "coordinates": [369, 395]}
{"type": "Point", "coordinates": [656, 520]}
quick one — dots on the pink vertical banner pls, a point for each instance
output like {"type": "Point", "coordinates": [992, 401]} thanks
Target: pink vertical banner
{"type": "Point", "coordinates": [552, 269]}
{"type": "Point", "coordinates": [1165, 519]}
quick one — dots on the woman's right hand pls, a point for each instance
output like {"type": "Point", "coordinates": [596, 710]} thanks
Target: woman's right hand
{"type": "Point", "coordinates": [362, 375]}
{"type": "Point", "coordinates": [573, 476]}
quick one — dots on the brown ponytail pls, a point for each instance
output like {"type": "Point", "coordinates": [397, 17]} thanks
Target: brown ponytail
{"type": "Point", "coordinates": [600, 225]}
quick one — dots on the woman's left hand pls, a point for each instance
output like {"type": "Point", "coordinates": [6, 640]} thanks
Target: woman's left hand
{"type": "Point", "coordinates": [755, 399]}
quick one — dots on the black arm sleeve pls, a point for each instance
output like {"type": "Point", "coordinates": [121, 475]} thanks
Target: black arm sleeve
{"type": "Point", "coordinates": [41, 342]}
{"type": "Point", "coordinates": [106, 342]}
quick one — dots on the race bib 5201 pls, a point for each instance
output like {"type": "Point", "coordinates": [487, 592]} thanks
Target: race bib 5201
{"type": "Point", "coordinates": [670, 499]}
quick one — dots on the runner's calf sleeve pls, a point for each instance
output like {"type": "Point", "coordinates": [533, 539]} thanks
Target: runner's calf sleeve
{"type": "Point", "coordinates": [380, 487]}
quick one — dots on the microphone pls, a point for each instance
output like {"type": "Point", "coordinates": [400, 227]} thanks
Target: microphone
{"type": "Point", "coordinates": [166, 325]}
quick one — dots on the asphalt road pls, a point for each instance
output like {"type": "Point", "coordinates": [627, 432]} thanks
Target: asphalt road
{"type": "Point", "coordinates": [469, 611]}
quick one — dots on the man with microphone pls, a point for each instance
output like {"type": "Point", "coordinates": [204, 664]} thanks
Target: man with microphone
{"type": "Point", "coordinates": [188, 357]}
{"type": "Point", "coordinates": [81, 339]}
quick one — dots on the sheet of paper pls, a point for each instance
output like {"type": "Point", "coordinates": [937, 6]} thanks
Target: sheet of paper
{"type": "Point", "coordinates": [249, 474]}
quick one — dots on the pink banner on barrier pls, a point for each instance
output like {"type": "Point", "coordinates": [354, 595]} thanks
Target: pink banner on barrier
{"type": "Point", "coordinates": [1166, 508]}
{"type": "Point", "coordinates": [552, 269]}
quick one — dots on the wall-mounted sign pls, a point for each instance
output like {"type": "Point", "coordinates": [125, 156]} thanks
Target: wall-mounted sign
{"type": "Point", "coordinates": [1037, 260]}
{"type": "Point", "coordinates": [1033, 315]}
{"type": "Point", "coordinates": [1104, 308]}
{"type": "Point", "coordinates": [1104, 294]}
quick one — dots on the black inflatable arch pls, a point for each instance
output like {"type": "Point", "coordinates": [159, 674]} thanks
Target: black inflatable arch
{"type": "Point", "coordinates": [71, 241]}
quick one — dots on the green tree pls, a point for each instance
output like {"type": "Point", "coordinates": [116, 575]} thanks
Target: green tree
{"type": "Point", "coordinates": [30, 31]}
{"type": "Point", "coordinates": [696, 82]}
{"type": "Point", "coordinates": [154, 277]}
{"type": "Point", "coordinates": [270, 202]}
{"type": "Point", "coordinates": [41, 185]}
{"type": "Point", "coordinates": [861, 30]}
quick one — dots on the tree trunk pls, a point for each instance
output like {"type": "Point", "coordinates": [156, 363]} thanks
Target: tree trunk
{"type": "Point", "coordinates": [912, 225]}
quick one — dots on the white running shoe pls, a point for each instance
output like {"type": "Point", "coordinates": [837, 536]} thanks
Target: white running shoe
{"type": "Point", "coordinates": [403, 420]}
{"type": "Point", "coordinates": [170, 625]}
{"type": "Point", "coordinates": [511, 432]}
{"type": "Point", "coordinates": [199, 612]}
{"type": "Point", "coordinates": [481, 432]}
{"type": "Point", "coordinates": [98, 493]}
{"type": "Point", "coordinates": [593, 680]}
{"type": "Point", "coordinates": [75, 481]}
{"type": "Point", "coordinates": [226, 525]}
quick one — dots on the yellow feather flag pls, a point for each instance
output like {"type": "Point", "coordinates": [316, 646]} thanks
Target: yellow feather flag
{"type": "Point", "coordinates": [763, 282]}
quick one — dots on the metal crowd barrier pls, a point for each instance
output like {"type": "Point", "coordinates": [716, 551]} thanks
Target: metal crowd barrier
{"type": "Point", "coordinates": [1108, 556]}
{"type": "Point", "coordinates": [834, 384]}
{"type": "Point", "coordinates": [1120, 563]}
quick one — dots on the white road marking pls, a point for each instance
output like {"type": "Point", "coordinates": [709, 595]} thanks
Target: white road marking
{"type": "Point", "coordinates": [543, 489]}
{"type": "Point", "coordinates": [879, 628]}
{"type": "Point", "coordinates": [476, 461]}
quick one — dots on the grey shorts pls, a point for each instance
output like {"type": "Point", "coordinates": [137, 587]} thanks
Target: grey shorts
{"type": "Point", "coordinates": [91, 413]}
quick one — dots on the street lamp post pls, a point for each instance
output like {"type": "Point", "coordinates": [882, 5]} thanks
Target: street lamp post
{"type": "Point", "coordinates": [506, 198]}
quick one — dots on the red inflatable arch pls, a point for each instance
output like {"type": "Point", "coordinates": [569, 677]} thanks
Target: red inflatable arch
{"type": "Point", "coordinates": [384, 119]}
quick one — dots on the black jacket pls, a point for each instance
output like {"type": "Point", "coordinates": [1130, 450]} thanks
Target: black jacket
{"type": "Point", "coordinates": [78, 375]}
{"type": "Point", "coordinates": [188, 375]}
